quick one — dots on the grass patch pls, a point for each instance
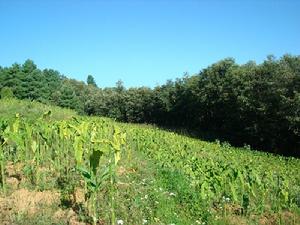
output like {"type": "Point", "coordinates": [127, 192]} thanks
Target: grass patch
{"type": "Point", "coordinates": [32, 110]}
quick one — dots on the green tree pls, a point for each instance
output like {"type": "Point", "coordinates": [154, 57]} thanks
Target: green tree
{"type": "Point", "coordinates": [91, 81]}
{"type": "Point", "coordinates": [66, 97]}
{"type": "Point", "coordinates": [29, 66]}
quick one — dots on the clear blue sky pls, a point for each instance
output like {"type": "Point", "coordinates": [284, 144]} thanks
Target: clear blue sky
{"type": "Point", "coordinates": [144, 42]}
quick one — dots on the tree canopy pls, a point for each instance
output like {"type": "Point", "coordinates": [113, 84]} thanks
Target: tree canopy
{"type": "Point", "coordinates": [252, 104]}
{"type": "Point", "coordinates": [91, 81]}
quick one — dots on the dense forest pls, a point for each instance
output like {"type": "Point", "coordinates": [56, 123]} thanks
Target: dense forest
{"type": "Point", "coordinates": [250, 104]}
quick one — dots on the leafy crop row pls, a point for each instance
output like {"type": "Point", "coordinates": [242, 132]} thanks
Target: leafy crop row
{"type": "Point", "coordinates": [221, 178]}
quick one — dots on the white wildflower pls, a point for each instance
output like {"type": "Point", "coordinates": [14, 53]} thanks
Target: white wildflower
{"type": "Point", "coordinates": [225, 199]}
{"type": "Point", "coordinates": [145, 221]}
{"type": "Point", "coordinates": [120, 222]}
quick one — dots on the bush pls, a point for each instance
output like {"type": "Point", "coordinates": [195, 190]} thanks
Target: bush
{"type": "Point", "coordinates": [6, 92]}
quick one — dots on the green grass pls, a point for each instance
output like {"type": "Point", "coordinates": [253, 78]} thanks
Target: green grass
{"type": "Point", "coordinates": [32, 110]}
{"type": "Point", "coordinates": [161, 178]}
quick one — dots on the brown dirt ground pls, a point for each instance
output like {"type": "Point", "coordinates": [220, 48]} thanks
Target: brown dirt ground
{"type": "Point", "coordinates": [30, 203]}
{"type": "Point", "coordinates": [24, 201]}
{"type": "Point", "coordinates": [287, 218]}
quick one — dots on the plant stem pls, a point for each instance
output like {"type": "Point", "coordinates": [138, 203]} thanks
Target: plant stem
{"type": "Point", "coordinates": [2, 169]}
{"type": "Point", "coordinates": [112, 200]}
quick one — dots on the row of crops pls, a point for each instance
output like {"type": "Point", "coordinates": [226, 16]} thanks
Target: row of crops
{"type": "Point", "coordinates": [217, 174]}
{"type": "Point", "coordinates": [94, 146]}
{"type": "Point", "coordinates": [252, 181]}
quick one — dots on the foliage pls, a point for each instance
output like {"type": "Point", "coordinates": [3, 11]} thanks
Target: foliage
{"type": "Point", "coordinates": [91, 81]}
{"type": "Point", "coordinates": [196, 179]}
{"type": "Point", "coordinates": [6, 92]}
{"type": "Point", "coordinates": [250, 104]}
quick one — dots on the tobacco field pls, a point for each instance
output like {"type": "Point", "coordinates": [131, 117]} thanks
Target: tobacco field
{"type": "Point", "coordinates": [98, 171]}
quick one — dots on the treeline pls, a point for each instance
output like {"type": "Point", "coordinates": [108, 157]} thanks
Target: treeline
{"type": "Point", "coordinates": [253, 104]}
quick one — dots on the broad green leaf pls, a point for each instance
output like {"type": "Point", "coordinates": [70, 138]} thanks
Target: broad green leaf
{"type": "Point", "coordinates": [94, 160]}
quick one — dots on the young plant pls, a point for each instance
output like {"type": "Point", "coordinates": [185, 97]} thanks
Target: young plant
{"type": "Point", "coordinates": [93, 181]}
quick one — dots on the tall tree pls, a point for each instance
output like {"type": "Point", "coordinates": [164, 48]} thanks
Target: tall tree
{"type": "Point", "coordinates": [91, 81]}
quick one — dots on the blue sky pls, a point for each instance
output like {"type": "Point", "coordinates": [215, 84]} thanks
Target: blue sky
{"type": "Point", "coordinates": [144, 43]}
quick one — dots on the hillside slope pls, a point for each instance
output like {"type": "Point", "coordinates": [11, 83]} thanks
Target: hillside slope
{"type": "Point", "coordinates": [91, 170]}
{"type": "Point", "coordinates": [32, 109]}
